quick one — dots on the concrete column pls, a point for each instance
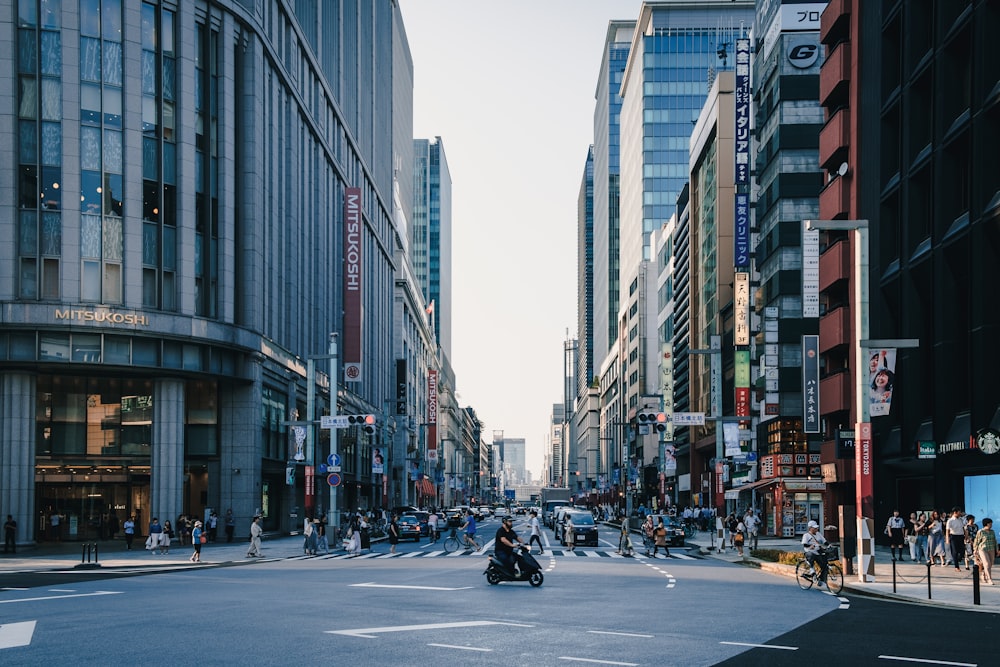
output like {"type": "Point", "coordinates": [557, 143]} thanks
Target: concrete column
{"type": "Point", "coordinates": [166, 480]}
{"type": "Point", "coordinates": [239, 450]}
{"type": "Point", "coordinates": [17, 452]}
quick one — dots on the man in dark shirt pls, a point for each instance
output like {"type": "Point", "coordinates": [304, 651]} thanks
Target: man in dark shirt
{"type": "Point", "coordinates": [504, 545]}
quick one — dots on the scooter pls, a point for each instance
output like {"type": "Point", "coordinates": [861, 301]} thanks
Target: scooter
{"type": "Point", "coordinates": [528, 569]}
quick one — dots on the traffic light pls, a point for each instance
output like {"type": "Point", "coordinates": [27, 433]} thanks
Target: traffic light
{"type": "Point", "coordinates": [657, 421]}
{"type": "Point", "coordinates": [366, 422]}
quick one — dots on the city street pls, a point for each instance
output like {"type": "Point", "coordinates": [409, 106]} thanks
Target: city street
{"type": "Point", "coordinates": [422, 606]}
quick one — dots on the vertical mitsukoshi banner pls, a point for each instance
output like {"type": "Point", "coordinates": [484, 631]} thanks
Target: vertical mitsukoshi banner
{"type": "Point", "coordinates": [352, 285]}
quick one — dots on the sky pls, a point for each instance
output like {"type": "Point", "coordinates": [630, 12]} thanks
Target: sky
{"type": "Point", "coordinates": [509, 87]}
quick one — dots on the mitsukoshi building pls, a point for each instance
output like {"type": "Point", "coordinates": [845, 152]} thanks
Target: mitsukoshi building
{"type": "Point", "coordinates": [172, 232]}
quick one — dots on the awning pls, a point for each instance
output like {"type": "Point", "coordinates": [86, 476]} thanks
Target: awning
{"type": "Point", "coordinates": [925, 432]}
{"type": "Point", "coordinates": [425, 487]}
{"type": "Point", "coordinates": [758, 484]}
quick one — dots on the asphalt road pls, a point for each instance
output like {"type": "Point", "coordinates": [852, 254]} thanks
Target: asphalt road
{"type": "Point", "coordinates": [423, 609]}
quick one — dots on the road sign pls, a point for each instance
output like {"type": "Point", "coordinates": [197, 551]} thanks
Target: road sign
{"type": "Point", "coordinates": [333, 421]}
{"type": "Point", "coordinates": [333, 479]}
{"type": "Point", "coordinates": [333, 460]}
{"type": "Point", "coordinates": [689, 419]}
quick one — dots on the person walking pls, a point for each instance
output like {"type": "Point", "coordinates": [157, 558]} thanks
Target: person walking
{"type": "Point", "coordinates": [230, 525]}
{"type": "Point", "coordinates": [647, 534]}
{"type": "Point", "coordinates": [255, 532]}
{"type": "Point", "coordinates": [752, 524]}
{"type": "Point", "coordinates": [911, 536]}
{"type": "Point", "coordinates": [155, 531]}
{"type": "Point", "coordinates": [660, 539]}
{"type": "Point", "coordinates": [432, 525]}
{"type": "Point", "coordinates": [970, 536]}
{"type": "Point", "coordinates": [569, 534]}
{"type": "Point", "coordinates": [985, 548]}
{"type": "Point", "coordinates": [10, 535]}
{"type": "Point", "coordinates": [956, 536]}
{"type": "Point", "coordinates": [393, 534]}
{"type": "Point", "coordinates": [536, 532]}
{"type": "Point", "coordinates": [321, 542]}
{"type": "Point", "coordinates": [197, 539]}
{"type": "Point", "coordinates": [129, 529]}
{"type": "Point", "coordinates": [920, 528]}
{"type": "Point", "coordinates": [935, 539]}
{"type": "Point", "coordinates": [213, 526]}
{"type": "Point", "coordinates": [740, 536]}
{"type": "Point", "coordinates": [166, 537]}
{"type": "Point", "coordinates": [309, 533]}
{"type": "Point", "coordinates": [894, 529]}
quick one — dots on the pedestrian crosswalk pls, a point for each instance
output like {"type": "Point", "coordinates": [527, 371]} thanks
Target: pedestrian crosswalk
{"type": "Point", "coordinates": [558, 553]}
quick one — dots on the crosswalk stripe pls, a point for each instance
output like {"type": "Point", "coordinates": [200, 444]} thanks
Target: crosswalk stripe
{"type": "Point", "coordinates": [559, 553]}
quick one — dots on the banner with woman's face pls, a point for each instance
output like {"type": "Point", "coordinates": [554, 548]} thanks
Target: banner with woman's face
{"type": "Point", "coordinates": [881, 380]}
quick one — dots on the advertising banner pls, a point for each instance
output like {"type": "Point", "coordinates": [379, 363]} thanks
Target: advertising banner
{"type": "Point", "coordinates": [810, 384]}
{"type": "Point", "coordinates": [432, 414]}
{"type": "Point", "coordinates": [881, 378]}
{"type": "Point", "coordinates": [353, 276]}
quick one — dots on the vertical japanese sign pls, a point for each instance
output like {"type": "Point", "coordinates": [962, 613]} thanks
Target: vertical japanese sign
{"type": "Point", "coordinates": [881, 379]}
{"type": "Point", "coordinates": [741, 380]}
{"type": "Point", "coordinates": [352, 285]}
{"type": "Point", "coordinates": [741, 231]}
{"type": "Point", "coordinates": [741, 303]}
{"type": "Point", "coordinates": [810, 384]}
{"type": "Point", "coordinates": [863, 470]}
{"type": "Point", "coordinates": [810, 272]}
{"type": "Point", "coordinates": [400, 386]}
{"type": "Point", "coordinates": [432, 415]}
{"type": "Point", "coordinates": [667, 388]}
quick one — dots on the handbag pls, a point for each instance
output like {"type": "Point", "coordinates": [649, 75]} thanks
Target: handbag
{"type": "Point", "coordinates": [203, 539]}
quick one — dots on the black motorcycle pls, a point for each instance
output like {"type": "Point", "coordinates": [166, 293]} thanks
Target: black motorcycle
{"type": "Point", "coordinates": [528, 569]}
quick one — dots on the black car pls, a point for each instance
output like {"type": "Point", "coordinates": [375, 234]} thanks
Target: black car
{"type": "Point", "coordinates": [422, 519]}
{"type": "Point", "coordinates": [675, 529]}
{"type": "Point", "coordinates": [584, 528]}
{"type": "Point", "coordinates": [409, 527]}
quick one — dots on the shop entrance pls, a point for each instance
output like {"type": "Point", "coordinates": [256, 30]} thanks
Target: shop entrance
{"type": "Point", "coordinates": [82, 511]}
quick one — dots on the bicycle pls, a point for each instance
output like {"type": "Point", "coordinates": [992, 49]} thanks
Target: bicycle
{"type": "Point", "coordinates": [453, 543]}
{"type": "Point", "coordinates": [689, 530]}
{"type": "Point", "coordinates": [807, 575]}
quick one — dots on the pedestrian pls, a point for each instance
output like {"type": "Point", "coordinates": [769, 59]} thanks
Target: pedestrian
{"type": "Point", "coordinates": [309, 533]}
{"type": "Point", "coordinates": [935, 539]}
{"type": "Point", "coordinates": [752, 524]}
{"type": "Point", "coordinates": [153, 541]}
{"type": "Point", "coordinates": [230, 525]}
{"type": "Point", "coordinates": [970, 536]}
{"type": "Point", "coordinates": [739, 537]}
{"type": "Point", "coordinates": [894, 528]}
{"type": "Point", "coordinates": [54, 523]}
{"type": "Point", "coordinates": [624, 541]}
{"type": "Point", "coordinates": [10, 535]}
{"type": "Point", "coordinates": [955, 527]}
{"type": "Point", "coordinates": [166, 537]}
{"type": "Point", "coordinates": [660, 539]}
{"type": "Point", "coordinates": [432, 525]}
{"type": "Point", "coordinates": [213, 526]}
{"type": "Point", "coordinates": [647, 534]}
{"type": "Point", "coordinates": [922, 532]}
{"type": "Point", "coordinates": [569, 534]}
{"type": "Point", "coordinates": [911, 536]}
{"type": "Point", "coordinates": [129, 529]}
{"type": "Point", "coordinates": [731, 523]}
{"type": "Point", "coordinates": [197, 539]}
{"type": "Point", "coordinates": [321, 541]}
{"type": "Point", "coordinates": [985, 547]}
{"type": "Point", "coordinates": [255, 533]}
{"type": "Point", "coordinates": [536, 532]}
{"type": "Point", "coordinates": [393, 535]}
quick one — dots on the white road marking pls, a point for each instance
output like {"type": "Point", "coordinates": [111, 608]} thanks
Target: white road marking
{"type": "Point", "coordinates": [598, 662]}
{"type": "Point", "coordinates": [620, 634]}
{"type": "Point", "coordinates": [13, 589]}
{"type": "Point", "coordinates": [412, 554]}
{"type": "Point", "coordinates": [16, 634]}
{"type": "Point", "coordinates": [464, 648]}
{"type": "Point", "coordinates": [929, 662]}
{"type": "Point", "coordinates": [62, 597]}
{"type": "Point", "coordinates": [415, 588]}
{"type": "Point", "coordinates": [62, 590]}
{"type": "Point", "coordinates": [782, 648]}
{"type": "Point", "coordinates": [369, 633]}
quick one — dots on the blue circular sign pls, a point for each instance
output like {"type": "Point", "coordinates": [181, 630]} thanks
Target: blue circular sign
{"type": "Point", "coordinates": [333, 460]}
{"type": "Point", "coordinates": [333, 479]}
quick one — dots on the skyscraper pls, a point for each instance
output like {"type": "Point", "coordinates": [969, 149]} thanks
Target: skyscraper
{"type": "Point", "coordinates": [430, 236]}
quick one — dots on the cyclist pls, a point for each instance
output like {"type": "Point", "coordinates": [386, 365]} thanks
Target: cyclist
{"type": "Point", "coordinates": [469, 529]}
{"type": "Point", "coordinates": [432, 525]}
{"type": "Point", "coordinates": [813, 546]}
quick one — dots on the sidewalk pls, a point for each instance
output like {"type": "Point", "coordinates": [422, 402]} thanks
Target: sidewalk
{"type": "Point", "coordinates": [113, 554]}
{"type": "Point", "coordinates": [949, 588]}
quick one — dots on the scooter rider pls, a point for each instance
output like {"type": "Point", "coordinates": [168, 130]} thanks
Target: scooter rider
{"type": "Point", "coordinates": [504, 546]}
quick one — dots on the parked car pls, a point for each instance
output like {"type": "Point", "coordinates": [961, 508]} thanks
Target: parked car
{"type": "Point", "coordinates": [422, 518]}
{"type": "Point", "coordinates": [486, 511]}
{"type": "Point", "coordinates": [675, 529]}
{"type": "Point", "coordinates": [584, 528]}
{"type": "Point", "coordinates": [501, 512]}
{"type": "Point", "coordinates": [409, 527]}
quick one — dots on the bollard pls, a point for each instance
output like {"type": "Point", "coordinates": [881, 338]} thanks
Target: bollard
{"type": "Point", "coordinates": [928, 580]}
{"type": "Point", "coordinates": [975, 583]}
{"type": "Point", "coordinates": [85, 557]}
{"type": "Point", "coordinates": [893, 575]}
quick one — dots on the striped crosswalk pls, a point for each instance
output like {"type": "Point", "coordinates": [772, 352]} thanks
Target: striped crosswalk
{"type": "Point", "coordinates": [558, 553]}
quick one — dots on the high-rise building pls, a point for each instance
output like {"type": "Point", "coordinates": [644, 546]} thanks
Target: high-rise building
{"type": "Point", "coordinates": [196, 186]}
{"type": "Point", "coordinates": [430, 234]}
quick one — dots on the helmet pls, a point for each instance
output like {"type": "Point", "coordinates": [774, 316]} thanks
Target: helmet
{"type": "Point", "coordinates": [813, 524]}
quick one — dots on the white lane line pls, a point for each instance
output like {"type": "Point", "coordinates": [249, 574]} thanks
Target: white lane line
{"type": "Point", "coordinates": [16, 634]}
{"type": "Point", "coordinates": [781, 648]}
{"type": "Point", "coordinates": [409, 587]}
{"type": "Point", "coordinates": [598, 662]}
{"type": "Point", "coordinates": [928, 662]}
{"type": "Point", "coordinates": [62, 590]}
{"type": "Point", "coordinates": [62, 597]}
{"type": "Point", "coordinates": [13, 589]}
{"type": "Point", "coordinates": [370, 633]}
{"type": "Point", "coordinates": [620, 634]}
{"type": "Point", "coordinates": [463, 648]}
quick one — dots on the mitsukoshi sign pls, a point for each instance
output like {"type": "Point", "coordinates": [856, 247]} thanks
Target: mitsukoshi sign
{"type": "Point", "coordinates": [352, 285]}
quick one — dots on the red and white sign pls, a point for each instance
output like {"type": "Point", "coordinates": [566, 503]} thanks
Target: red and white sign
{"type": "Point", "coordinates": [353, 275]}
{"type": "Point", "coordinates": [864, 470]}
